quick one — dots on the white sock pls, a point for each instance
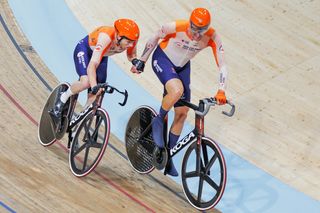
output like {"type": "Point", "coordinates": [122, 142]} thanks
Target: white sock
{"type": "Point", "coordinates": [66, 95]}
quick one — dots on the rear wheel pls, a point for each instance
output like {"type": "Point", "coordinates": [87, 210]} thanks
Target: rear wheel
{"type": "Point", "coordinates": [204, 174]}
{"type": "Point", "coordinates": [139, 140]}
{"type": "Point", "coordinates": [48, 132]}
{"type": "Point", "coordinates": [89, 143]}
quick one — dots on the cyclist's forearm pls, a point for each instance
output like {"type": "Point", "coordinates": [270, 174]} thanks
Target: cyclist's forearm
{"type": "Point", "coordinates": [92, 73]}
{"type": "Point", "coordinates": [150, 46]}
{"type": "Point", "coordinates": [223, 77]}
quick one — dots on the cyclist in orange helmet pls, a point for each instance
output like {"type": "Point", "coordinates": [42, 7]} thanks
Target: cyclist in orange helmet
{"type": "Point", "coordinates": [180, 42]}
{"type": "Point", "coordinates": [91, 57]}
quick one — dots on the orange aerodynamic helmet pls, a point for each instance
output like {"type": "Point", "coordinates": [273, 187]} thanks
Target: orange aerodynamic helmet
{"type": "Point", "coordinates": [200, 18]}
{"type": "Point", "coordinates": [127, 28]}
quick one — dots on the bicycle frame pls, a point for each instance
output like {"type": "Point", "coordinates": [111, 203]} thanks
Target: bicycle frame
{"type": "Point", "coordinates": [78, 118]}
{"type": "Point", "coordinates": [198, 132]}
{"type": "Point", "coordinates": [195, 135]}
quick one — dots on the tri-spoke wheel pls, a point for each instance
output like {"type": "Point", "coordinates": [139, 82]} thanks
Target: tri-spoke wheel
{"type": "Point", "coordinates": [139, 140]}
{"type": "Point", "coordinates": [204, 174]}
{"type": "Point", "coordinates": [89, 143]}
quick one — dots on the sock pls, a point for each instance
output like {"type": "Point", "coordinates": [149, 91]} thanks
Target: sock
{"type": "Point", "coordinates": [162, 113]}
{"type": "Point", "coordinates": [173, 139]}
{"type": "Point", "coordinates": [172, 142]}
{"type": "Point", "coordinates": [66, 95]}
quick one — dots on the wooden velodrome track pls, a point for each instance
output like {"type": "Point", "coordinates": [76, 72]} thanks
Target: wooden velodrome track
{"type": "Point", "coordinates": [273, 54]}
{"type": "Point", "coordinates": [273, 57]}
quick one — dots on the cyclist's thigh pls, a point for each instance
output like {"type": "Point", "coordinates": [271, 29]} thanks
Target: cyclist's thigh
{"type": "Point", "coordinates": [184, 76]}
{"type": "Point", "coordinates": [163, 67]}
{"type": "Point", "coordinates": [102, 70]}
{"type": "Point", "coordinates": [81, 56]}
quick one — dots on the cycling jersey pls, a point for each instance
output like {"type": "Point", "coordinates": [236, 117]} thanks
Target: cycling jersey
{"type": "Point", "coordinates": [102, 42]}
{"type": "Point", "coordinates": [178, 45]}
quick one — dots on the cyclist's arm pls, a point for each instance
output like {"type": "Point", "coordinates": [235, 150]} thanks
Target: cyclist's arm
{"type": "Point", "coordinates": [132, 51]}
{"type": "Point", "coordinates": [103, 42]}
{"type": "Point", "coordinates": [218, 52]}
{"type": "Point", "coordinates": [153, 41]}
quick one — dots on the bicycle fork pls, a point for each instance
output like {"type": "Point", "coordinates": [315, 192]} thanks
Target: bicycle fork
{"type": "Point", "coordinates": [199, 125]}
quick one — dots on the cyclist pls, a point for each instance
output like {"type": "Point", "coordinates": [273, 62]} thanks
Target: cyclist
{"type": "Point", "coordinates": [91, 58]}
{"type": "Point", "coordinates": [181, 41]}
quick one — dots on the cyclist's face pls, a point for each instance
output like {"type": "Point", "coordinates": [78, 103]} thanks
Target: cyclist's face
{"type": "Point", "coordinates": [197, 32]}
{"type": "Point", "coordinates": [126, 43]}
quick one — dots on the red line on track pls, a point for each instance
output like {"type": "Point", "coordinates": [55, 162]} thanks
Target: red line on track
{"type": "Point", "coordinates": [107, 180]}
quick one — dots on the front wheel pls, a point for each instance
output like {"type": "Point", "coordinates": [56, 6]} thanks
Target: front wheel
{"type": "Point", "coordinates": [204, 174]}
{"type": "Point", "coordinates": [89, 143]}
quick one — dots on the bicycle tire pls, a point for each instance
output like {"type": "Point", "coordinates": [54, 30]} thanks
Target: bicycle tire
{"type": "Point", "coordinates": [46, 134]}
{"type": "Point", "coordinates": [140, 152]}
{"type": "Point", "coordinates": [89, 143]}
{"type": "Point", "coordinates": [217, 170]}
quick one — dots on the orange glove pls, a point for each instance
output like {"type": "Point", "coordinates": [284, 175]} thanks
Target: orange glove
{"type": "Point", "coordinates": [221, 97]}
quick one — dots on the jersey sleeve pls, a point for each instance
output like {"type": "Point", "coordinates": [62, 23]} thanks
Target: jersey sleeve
{"type": "Point", "coordinates": [218, 52]}
{"type": "Point", "coordinates": [217, 48]}
{"type": "Point", "coordinates": [103, 42]}
{"type": "Point", "coordinates": [167, 29]}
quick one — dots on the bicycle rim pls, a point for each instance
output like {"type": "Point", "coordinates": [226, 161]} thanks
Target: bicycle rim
{"type": "Point", "coordinates": [204, 189]}
{"type": "Point", "coordinates": [89, 143]}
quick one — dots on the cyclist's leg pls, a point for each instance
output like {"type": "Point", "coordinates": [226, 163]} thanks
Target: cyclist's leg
{"type": "Point", "coordinates": [180, 115]}
{"type": "Point", "coordinates": [81, 56]}
{"type": "Point", "coordinates": [164, 70]}
{"type": "Point", "coordinates": [181, 112]}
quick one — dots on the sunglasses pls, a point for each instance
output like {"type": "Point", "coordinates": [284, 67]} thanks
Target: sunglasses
{"type": "Point", "coordinates": [196, 29]}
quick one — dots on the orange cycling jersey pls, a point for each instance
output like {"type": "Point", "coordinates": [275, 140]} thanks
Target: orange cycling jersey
{"type": "Point", "coordinates": [102, 41]}
{"type": "Point", "coordinates": [178, 45]}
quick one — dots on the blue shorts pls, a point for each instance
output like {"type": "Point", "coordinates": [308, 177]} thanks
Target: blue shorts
{"type": "Point", "coordinates": [82, 55]}
{"type": "Point", "coordinates": [166, 70]}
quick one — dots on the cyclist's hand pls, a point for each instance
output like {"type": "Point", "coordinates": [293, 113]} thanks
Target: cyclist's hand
{"type": "Point", "coordinates": [221, 97]}
{"type": "Point", "coordinates": [96, 90]}
{"type": "Point", "coordinates": [138, 66]}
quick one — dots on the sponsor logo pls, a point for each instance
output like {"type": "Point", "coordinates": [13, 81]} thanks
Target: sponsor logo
{"type": "Point", "coordinates": [178, 44]}
{"type": "Point", "coordinates": [156, 65]}
{"type": "Point", "coordinates": [80, 56]}
{"type": "Point", "coordinates": [186, 45]}
{"type": "Point", "coordinates": [80, 115]}
{"type": "Point", "coordinates": [181, 143]}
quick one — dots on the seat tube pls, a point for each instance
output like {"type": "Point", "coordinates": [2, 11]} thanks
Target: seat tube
{"type": "Point", "coordinates": [73, 102]}
{"type": "Point", "coordinates": [199, 125]}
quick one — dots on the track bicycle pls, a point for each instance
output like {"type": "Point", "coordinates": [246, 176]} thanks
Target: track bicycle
{"type": "Point", "coordinates": [88, 131]}
{"type": "Point", "coordinates": [203, 171]}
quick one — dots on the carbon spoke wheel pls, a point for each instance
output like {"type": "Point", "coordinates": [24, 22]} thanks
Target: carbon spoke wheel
{"type": "Point", "coordinates": [89, 142]}
{"type": "Point", "coordinates": [139, 140]}
{"type": "Point", "coordinates": [204, 174]}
